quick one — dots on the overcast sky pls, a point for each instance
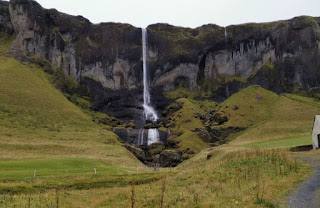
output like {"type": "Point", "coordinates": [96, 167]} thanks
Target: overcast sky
{"type": "Point", "coordinates": [187, 13]}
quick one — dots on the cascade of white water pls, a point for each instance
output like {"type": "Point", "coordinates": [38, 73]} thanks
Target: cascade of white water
{"type": "Point", "coordinates": [148, 111]}
{"type": "Point", "coordinates": [141, 137]}
{"type": "Point", "coordinates": [153, 136]}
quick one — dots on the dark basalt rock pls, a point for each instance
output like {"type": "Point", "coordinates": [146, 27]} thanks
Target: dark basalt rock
{"type": "Point", "coordinates": [136, 151]}
{"type": "Point", "coordinates": [122, 104]}
{"type": "Point", "coordinates": [156, 148]}
{"type": "Point", "coordinates": [219, 135]}
{"type": "Point", "coordinates": [205, 136]}
{"type": "Point", "coordinates": [219, 118]}
{"type": "Point", "coordinates": [172, 143]}
{"type": "Point", "coordinates": [5, 21]}
{"type": "Point", "coordinates": [170, 158]}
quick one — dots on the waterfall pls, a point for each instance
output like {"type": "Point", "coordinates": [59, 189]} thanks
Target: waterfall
{"type": "Point", "coordinates": [153, 136]}
{"type": "Point", "coordinates": [226, 36]}
{"type": "Point", "coordinates": [149, 113]}
{"type": "Point", "coordinates": [141, 137]}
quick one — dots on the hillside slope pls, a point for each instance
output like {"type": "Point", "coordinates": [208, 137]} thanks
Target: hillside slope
{"type": "Point", "coordinates": [36, 120]}
{"type": "Point", "coordinates": [267, 115]}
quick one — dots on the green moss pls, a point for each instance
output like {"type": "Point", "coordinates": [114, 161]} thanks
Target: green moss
{"type": "Point", "coordinates": [5, 42]}
{"type": "Point", "coordinates": [64, 82]}
{"type": "Point", "coordinates": [203, 104]}
{"type": "Point", "coordinates": [91, 77]}
{"type": "Point", "coordinates": [186, 119]}
{"type": "Point", "coordinates": [181, 93]}
{"type": "Point", "coordinates": [269, 65]}
{"type": "Point", "coordinates": [85, 104]}
{"type": "Point", "coordinates": [307, 21]}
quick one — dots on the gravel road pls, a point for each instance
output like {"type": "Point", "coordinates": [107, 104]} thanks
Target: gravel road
{"type": "Point", "coordinates": [308, 193]}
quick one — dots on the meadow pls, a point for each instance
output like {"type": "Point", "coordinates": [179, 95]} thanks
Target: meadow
{"type": "Point", "coordinates": [217, 177]}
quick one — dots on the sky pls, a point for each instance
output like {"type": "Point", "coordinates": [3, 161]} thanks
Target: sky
{"type": "Point", "coordinates": [186, 13]}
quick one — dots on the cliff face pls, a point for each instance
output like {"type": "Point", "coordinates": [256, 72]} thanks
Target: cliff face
{"type": "Point", "coordinates": [206, 53]}
{"type": "Point", "coordinates": [281, 56]}
{"type": "Point", "coordinates": [109, 53]}
{"type": "Point", "coordinates": [5, 22]}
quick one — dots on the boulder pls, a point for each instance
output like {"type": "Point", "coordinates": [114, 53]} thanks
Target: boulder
{"type": "Point", "coordinates": [172, 141]}
{"type": "Point", "coordinates": [170, 158]}
{"type": "Point", "coordinates": [204, 135]}
{"type": "Point", "coordinates": [131, 124]}
{"type": "Point", "coordinates": [219, 118]}
{"type": "Point", "coordinates": [156, 159]}
{"type": "Point", "coordinates": [139, 153]}
{"type": "Point", "coordinates": [156, 148]}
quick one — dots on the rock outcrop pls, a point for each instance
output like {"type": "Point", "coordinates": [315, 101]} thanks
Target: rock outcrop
{"type": "Point", "coordinates": [170, 158]}
{"type": "Point", "coordinates": [5, 21]}
{"type": "Point", "coordinates": [109, 52]}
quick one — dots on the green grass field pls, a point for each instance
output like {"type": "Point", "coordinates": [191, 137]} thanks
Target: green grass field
{"type": "Point", "coordinates": [24, 168]}
{"type": "Point", "coordinates": [283, 142]}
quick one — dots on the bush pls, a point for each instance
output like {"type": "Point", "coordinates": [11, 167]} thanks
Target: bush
{"type": "Point", "coordinates": [64, 82]}
{"type": "Point", "coordinates": [80, 101]}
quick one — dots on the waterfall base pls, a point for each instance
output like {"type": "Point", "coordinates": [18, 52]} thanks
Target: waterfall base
{"type": "Point", "coordinates": [141, 137]}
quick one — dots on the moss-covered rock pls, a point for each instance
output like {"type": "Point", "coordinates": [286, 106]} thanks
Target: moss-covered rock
{"type": "Point", "coordinates": [139, 153]}
{"type": "Point", "coordinates": [170, 158]}
{"type": "Point", "coordinates": [156, 148]}
{"type": "Point", "coordinates": [219, 118]}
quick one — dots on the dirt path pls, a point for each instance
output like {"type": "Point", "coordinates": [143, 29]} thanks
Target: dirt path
{"type": "Point", "coordinates": [308, 193]}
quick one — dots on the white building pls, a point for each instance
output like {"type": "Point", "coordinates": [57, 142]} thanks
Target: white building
{"type": "Point", "coordinates": [316, 132]}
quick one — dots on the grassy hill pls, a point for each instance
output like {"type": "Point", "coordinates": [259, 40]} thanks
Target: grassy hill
{"type": "Point", "coordinates": [37, 121]}
{"type": "Point", "coordinates": [283, 120]}
{"type": "Point", "coordinates": [268, 116]}
{"type": "Point", "coordinates": [185, 120]}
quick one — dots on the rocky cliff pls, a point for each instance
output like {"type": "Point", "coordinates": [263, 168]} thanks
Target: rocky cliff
{"type": "Point", "coordinates": [107, 57]}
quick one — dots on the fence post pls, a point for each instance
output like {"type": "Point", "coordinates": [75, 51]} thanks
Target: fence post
{"type": "Point", "coordinates": [34, 173]}
{"type": "Point", "coordinates": [95, 171]}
